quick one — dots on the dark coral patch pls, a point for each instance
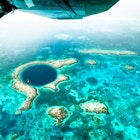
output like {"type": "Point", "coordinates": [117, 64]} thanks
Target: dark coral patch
{"type": "Point", "coordinates": [92, 80]}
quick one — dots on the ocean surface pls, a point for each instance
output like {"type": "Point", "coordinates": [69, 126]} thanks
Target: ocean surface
{"type": "Point", "coordinates": [109, 82]}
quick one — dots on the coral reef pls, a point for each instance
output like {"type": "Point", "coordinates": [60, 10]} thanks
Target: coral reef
{"type": "Point", "coordinates": [59, 113]}
{"type": "Point", "coordinates": [91, 62]}
{"type": "Point", "coordinates": [92, 80]}
{"type": "Point", "coordinates": [96, 107]}
{"type": "Point", "coordinates": [30, 91]}
{"type": "Point", "coordinates": [1, 86]}
{"type": "Point", "coordinates": [108, 52]}
{"type": "Point", "coordinates": [54, 84]}
{"type": "Point", "coordinates": [128, 67]}
{"type": "Point", "coordinates": [14, 137]}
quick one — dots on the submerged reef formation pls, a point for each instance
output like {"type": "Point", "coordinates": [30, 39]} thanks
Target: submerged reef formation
{"type": "Point", "coordinates": [128, 67]}
{"type": "Point", "coordinates": [97, 107]}
{"type": "Point", "coordinates": [108, 52]}
{"type": "Point", "coordinates": [14, 137]}
{"type": "Point", "coordinates": [59, 113]}
{"type": "Point", "coordinates": [54, 84]}
{"type": "Point", "coordinates": [31, 92]}
{"type": "Point", "coordinates": [0, 86]}
{"type": "Point", "coordinates": [92, 80]}
{"type": "Point", "coordinates": [91, 62]}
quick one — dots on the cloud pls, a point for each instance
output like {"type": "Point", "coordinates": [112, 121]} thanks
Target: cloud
{"type": "Point", "coordinates": [63, 36]}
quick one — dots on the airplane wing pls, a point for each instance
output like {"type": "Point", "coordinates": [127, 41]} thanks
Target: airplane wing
{"type": "Point", "coordinates": [58, 9]}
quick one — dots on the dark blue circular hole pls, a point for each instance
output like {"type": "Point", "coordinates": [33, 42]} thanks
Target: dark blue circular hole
{"type": "Point", "coordinates": [38, 75]}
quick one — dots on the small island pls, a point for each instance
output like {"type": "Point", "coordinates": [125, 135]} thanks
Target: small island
{"type": "Point", "coordinates": [30, 91]}
{"type": "Point", "coordinates": [94, 106]}
{"type": "Point", "coordinates": [59, 113]}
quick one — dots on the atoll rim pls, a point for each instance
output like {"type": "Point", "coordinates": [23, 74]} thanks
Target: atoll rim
{"type": "Point", "coordinates": [29, 90]}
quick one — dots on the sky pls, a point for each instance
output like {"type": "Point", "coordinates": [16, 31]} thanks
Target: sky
{"type": "Point", "coordinates": [28, 26]}
{"type": "Point", "coordinates": [127, 9]}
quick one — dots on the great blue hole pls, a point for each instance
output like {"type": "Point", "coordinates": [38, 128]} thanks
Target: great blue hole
{"type": "Point", "coordinates": [38, 75]}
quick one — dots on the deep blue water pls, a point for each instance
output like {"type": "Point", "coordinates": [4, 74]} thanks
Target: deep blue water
{"type": "Point", "coordinates": [38, 75]}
